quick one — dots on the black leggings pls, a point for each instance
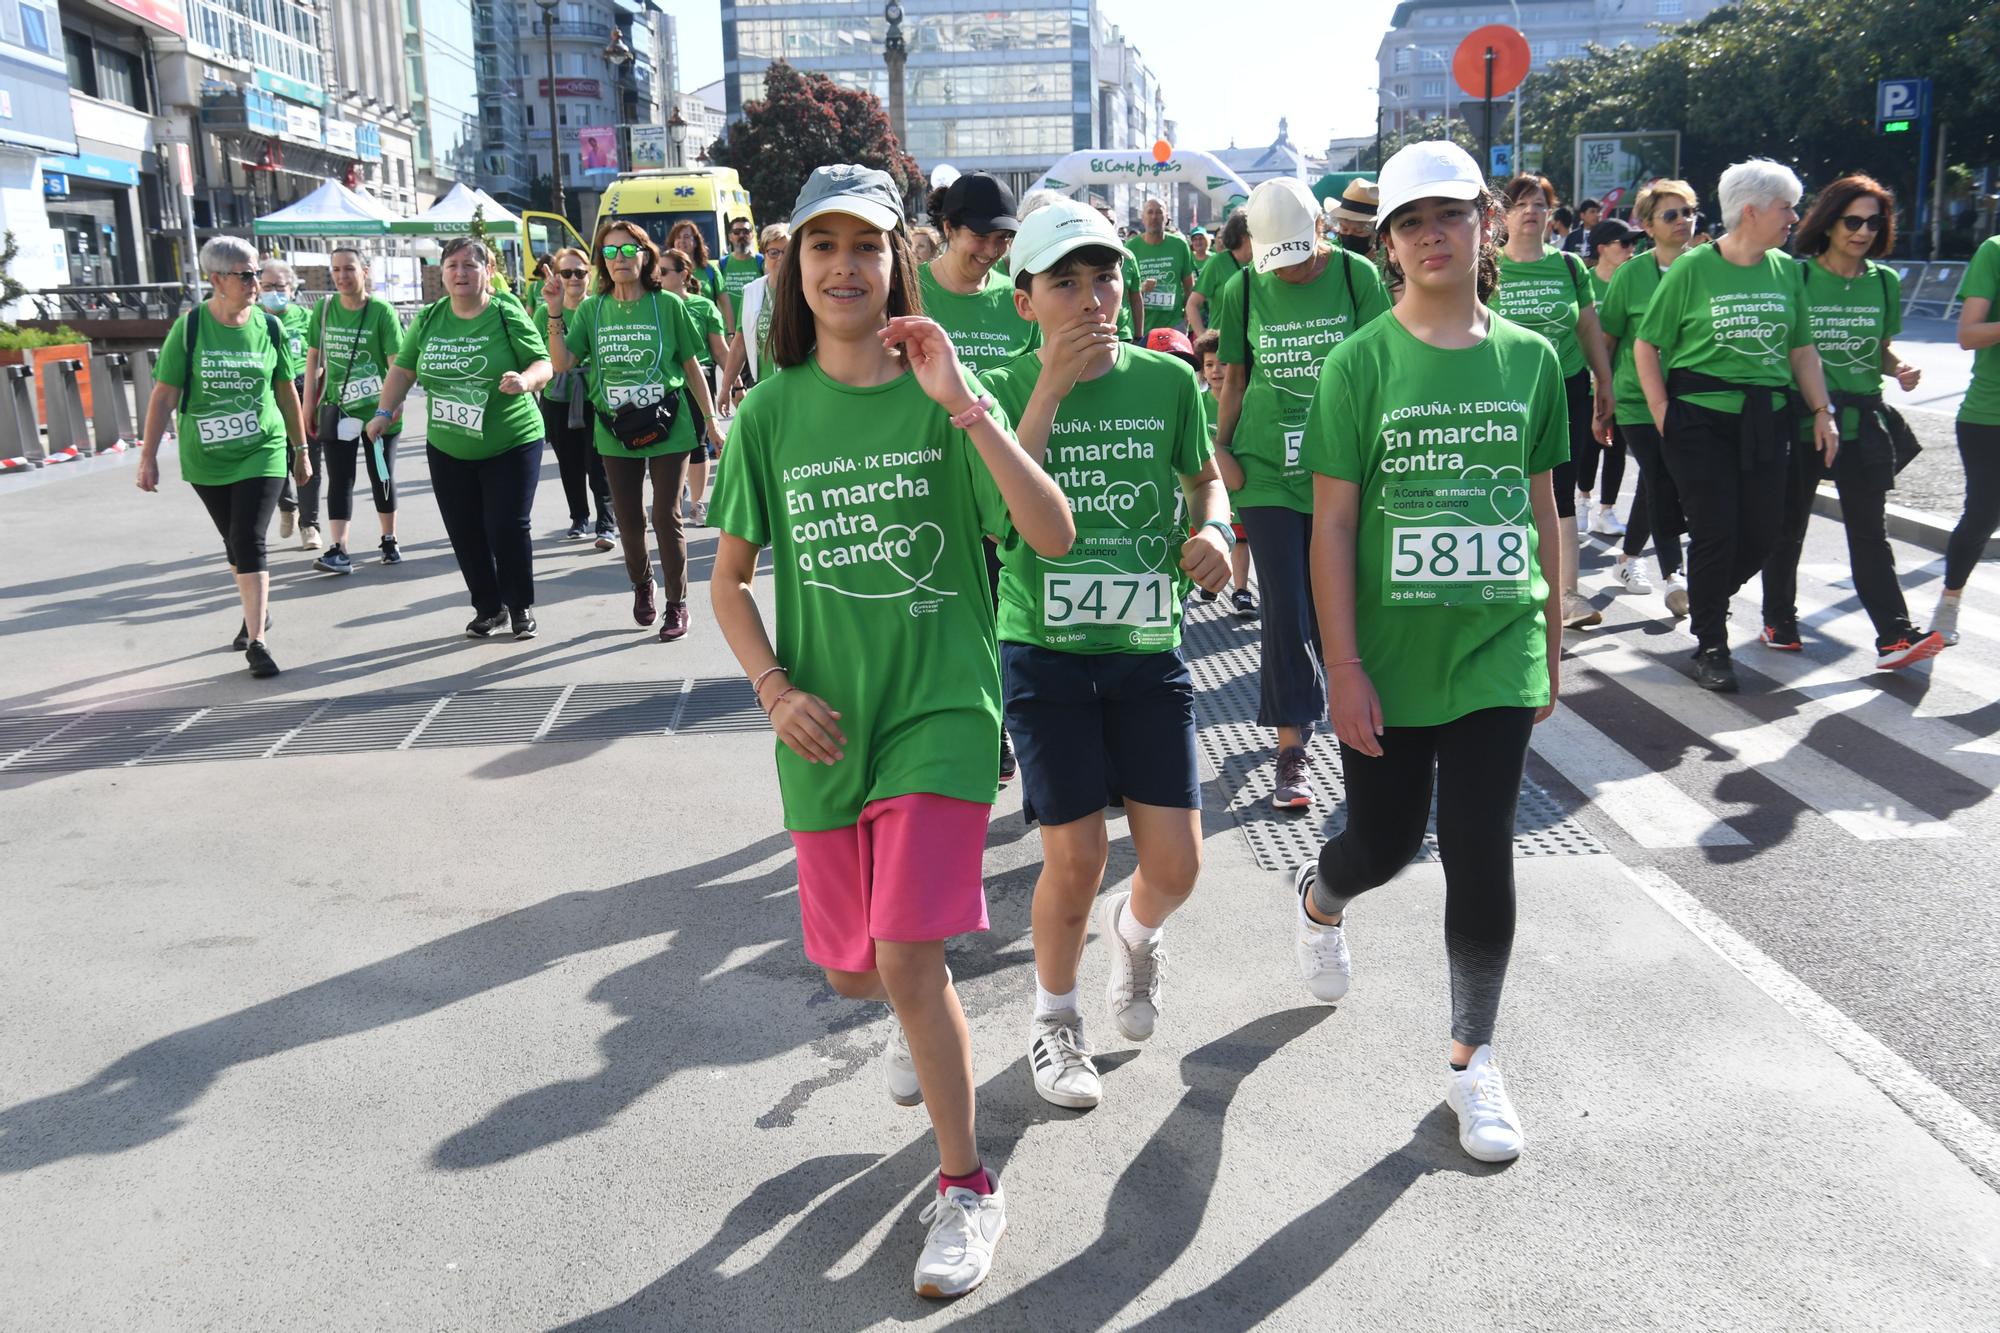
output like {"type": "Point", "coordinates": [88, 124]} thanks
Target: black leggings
{"type": "Point", "coordinates": [1979, 451]}
{"type": "Point", "coordinates": [1734, 513]}
{"type": "Point", "coordinates": [1868, 553]}
{"type": "Point", "coordinates": [485, 505]}
{"type": "Point", "coordinates": [581, 466]}
{"type": "Point", "coordinates": [1478, 759]}
{"type": "Point", "coordinates": [380, 458]}
{"type": "Point", "coordinates": [1657, 500]}
{"type": "Point", "coordinates": [1612, 457]}
{"type": "Point", "coordinates": [242, 512]}
{"type": "Point", "coordinates": [1576, 391]}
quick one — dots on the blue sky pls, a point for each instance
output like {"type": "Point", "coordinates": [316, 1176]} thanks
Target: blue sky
{"type": "Point", "coordinates": [1313, 63]}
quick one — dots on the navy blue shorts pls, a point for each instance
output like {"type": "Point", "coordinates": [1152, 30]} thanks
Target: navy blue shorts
{"type": "Point", "coordinates": [1094, 728]}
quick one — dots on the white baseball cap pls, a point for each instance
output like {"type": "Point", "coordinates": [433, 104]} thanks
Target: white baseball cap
{"type": "Point", "coordinates": [1057, 228]}
{"type": "Point", "coordinates": [1439, 169]}
{"type": "Point", "coordinates": [1283, 219]}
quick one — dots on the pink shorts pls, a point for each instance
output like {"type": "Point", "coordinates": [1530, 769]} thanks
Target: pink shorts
{"type": "Point", "coordinates": [910, 869]}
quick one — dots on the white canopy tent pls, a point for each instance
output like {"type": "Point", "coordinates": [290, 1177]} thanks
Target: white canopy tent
{"type": "Point", "coordinates": [331, 210]}
{"type": "Point", "coordinates": [452, 214]}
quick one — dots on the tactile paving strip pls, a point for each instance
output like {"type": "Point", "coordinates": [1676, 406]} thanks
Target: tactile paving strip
{"type": "Point", "coordinates": [1223, 656]}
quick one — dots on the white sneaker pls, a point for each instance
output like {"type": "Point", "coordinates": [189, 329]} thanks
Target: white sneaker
{"type": "Point", "coordinates": [1632, 575]}
{"type": "Point", "coordinates": [958, 1252]}
{"type": "Point", "coordinates": [309, 537]}
{"type": "Point", "coordinates": [1944, 620]}
{"type": "Point", "coordinates": [1489, 1128]}
{"type": "Point", "coordinates": [1133, 992]}
{"type": "Point", "coordinates": [904, 1090]}
{"type": "Point", "coordinates": [1324, 964]}
{"type": "Point", "coordinates": [1676, 594]}
{"type": "Point", "coordinates": [1061, 1064]}
{"type": "Point", "coordinates": [1604, 521]}
{"type": "Point", "coordinates": [699, 517]}
{"type": "Point", "coordinates": [1578, 613]}
{"type": "Point", "coordinates": [288, 520]}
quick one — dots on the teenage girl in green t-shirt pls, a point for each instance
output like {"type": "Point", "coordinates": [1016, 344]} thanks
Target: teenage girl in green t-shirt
{"type": "Point", "coordinates": [870, 464]}
{"type": "Point", "coordinates": [1978, 431]}
{"type": "Point", "coordinates": [707, 322]}
{"type": "Point", "coordinates": [1432, 440]}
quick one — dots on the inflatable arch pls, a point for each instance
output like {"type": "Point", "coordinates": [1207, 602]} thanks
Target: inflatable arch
{"type": "Point", "coordinates": [1135, 166]}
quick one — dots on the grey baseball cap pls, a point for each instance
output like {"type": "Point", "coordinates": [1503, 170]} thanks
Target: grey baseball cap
{"type": "Point", "coordinates": [857, 191]}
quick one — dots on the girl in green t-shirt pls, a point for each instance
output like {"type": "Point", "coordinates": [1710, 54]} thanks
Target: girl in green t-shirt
{"type": "Point", "coordinates": [1432, 440]}
{"type": "Point", "coordinates": [642, 356]}
{"type": "Point", "coordinates": [964, 288]}
{"type": "Point", "coordinates": [352, 342]}
{"type": "Point", "coordinates": [687, 238]}
{"type": "Point", "coordinates": [480, 363]}
{"type": "Point", "coordinates": [707, 322]}
{"type": "Point", "coordinates": [566, 415]}
{"type": "Point", "coordinates": [1978, 431]}
{"type": "Point", "coordinates": [872, 466]}
{"type": "Point", "coordinates": [226, 380]}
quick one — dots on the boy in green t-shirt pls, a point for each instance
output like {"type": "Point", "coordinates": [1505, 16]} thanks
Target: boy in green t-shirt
{"type": "Point", "coordinates": [1098, 697]}
{"type": "Point", "coordinates": [1166, 271]}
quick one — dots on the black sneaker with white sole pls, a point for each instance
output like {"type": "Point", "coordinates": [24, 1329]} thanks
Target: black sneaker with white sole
{"type": "Point", "coordinates": [1245, 603]}
{"type": "Point", "coordinates": [1009, 765]}
{"type": "Point", "coordinates": [335, 560]}
{"type": "Point", "coordinates": [485, 627]}
{"type": "Point", "coordinates": [392, 554]}
{"type": "Point", "coordinates": [524, 623]}
{"type": "Point", "coordinates": [242, 639]}
{"type": "Point", "coordinates": [258, 658]}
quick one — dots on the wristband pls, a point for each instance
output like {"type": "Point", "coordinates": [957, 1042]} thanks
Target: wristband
{"type": "Point", "coordinates": [789, 692]}
{"type": "Point", "coordinates": [1345, 661]}
{"type": "Point", "coordinates": [758, 683]}
{"type": "Point", "coordinates": [1823, 407]}
{"type": "Point", "coordinates": [1228, 536]}
{"type": "Point", "coordinates": [980, 407]}
{"type": "Point", "coordinates": [385, 413]}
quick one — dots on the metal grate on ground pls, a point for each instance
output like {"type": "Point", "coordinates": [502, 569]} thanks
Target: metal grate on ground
{"type": "Point", "coordinates": [1223, 654]}
{"type": "Point", "coordinates": [377, 723]}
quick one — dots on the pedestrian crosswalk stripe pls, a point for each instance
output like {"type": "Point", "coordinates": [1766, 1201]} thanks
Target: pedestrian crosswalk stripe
{"type": "Point", "coordinates": [1646, 804]}
{"type": "Point", "coordinates": [1776, 750]}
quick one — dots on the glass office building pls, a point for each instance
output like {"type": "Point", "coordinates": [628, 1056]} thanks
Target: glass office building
{"type": "Point", "coordinates": [986, 89]}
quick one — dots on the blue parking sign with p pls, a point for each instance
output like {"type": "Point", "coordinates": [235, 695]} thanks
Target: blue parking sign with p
{"type": "Point", "coordinates": [1901, 99]}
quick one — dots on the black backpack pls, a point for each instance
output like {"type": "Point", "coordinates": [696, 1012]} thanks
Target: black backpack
{"type": "Point", "coordinates": [1249, 273]}
{"type": "Point", "coordinates": [192, 334]}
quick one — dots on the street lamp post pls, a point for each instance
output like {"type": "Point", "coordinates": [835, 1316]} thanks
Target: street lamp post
{"type": "Point", "coordinates": [619, 56]}
{"type": "Point", "coordinates": [1518, 89]}
{"type": "Point", "coordinates": [894, 54]}
{"type": "Point", "coordinates": [548, 8]}
{"type": "Point", "coordinates": [1448, 80]}
{"type": "Point", "coordinates": [677, 130]}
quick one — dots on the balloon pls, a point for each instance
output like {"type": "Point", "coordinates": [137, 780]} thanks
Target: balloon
{"type": "Point", "coordinates": [942, 175]}
{"type": "Point", "coordinates": [1162, 150]}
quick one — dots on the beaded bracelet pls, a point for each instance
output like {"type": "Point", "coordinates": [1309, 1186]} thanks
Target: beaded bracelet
{"type": "Point", "coordinates": [789, 692]}
{"type": "Point", "coordinates": [757, 685]}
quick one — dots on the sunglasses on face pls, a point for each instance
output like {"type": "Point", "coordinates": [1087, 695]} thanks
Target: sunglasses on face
{"type": "Point", "coordinates": [1673, 214]}
{"type": "Point", "coordinates": [575, 274]}
{"type": "Point", "coordinates": [627, 250]}
{"type": "Point", "coordinates": [247, 275]}
{"type": "Point", "coordinates": [740, 231]}
{"type": "Point", "coordinates": [1856, 222]}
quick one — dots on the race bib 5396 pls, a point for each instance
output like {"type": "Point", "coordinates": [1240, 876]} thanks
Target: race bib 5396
{"type": "Point", "coordinates": [227, 428]}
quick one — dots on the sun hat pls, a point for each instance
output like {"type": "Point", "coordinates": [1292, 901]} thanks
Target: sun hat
{"type": "Point", "coordinates": [844, 187]}
{"type": "Point", "coordinates": [1438, 169]}
{"type": "Point", "coordinates": [1284, 223]}
{"type": "Point", "coordinates": [1357, 202]}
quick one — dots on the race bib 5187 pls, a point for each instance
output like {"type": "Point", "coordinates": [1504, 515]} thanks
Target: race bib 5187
{"type": "Point", "coordinates": [468, 417]}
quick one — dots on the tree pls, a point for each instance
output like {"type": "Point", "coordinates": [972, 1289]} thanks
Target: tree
{"type": "Point", "coordinates": [1425, 131]}
{"type": "Point", "coordinates": [805, 121]}
{"type": "Point", "coordinates": [1792, 80]}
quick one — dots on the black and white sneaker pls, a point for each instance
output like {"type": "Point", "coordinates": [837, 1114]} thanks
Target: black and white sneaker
{"type": "Point", "coordinates": [1714, 671]}
{"type": "Point", "coordinates": [335, 561]}
{"type": "Point", "coordinates": [485, 627]}
{"type": "Point", "coordinates": [1009, 765]}
{"type": "Point", "coordinates": [392, 554]}
{"type": "Point", "coordinates": [575, 533]}
{"type": "Point", "coordinates": [1245, 603]}
{"type": "Point", "coordinates": [1064, 1072]}
{"type": "Point", "coordinates": [524, 623]}
{"type": "Point", "coordinates": [258, 658]}
{"type": "Point", "coordinates": [242, 639]}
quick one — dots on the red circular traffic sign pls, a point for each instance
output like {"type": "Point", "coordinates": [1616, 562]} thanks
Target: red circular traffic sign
{"type": "Point", "coordinates": [1510, 60]}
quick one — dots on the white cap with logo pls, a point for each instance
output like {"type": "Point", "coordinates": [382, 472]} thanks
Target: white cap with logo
{"type": "Point", "coordinates": [1439, 169]}
{"type": "Point", "coordinates": [1055, 229]}
{"type": "Point", "coordinates": [1283, 217]}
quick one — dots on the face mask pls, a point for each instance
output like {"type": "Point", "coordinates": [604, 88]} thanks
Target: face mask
{"type": "Point", "coordinates": [1360, 245]}
{"type": "Point", "coordinates": [273, 300]}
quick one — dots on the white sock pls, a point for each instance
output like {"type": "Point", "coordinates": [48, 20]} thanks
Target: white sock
{"type": "Point", "coordinates": [1131, 931]}
{"type": "Point", "coordinates": [1048, 1002]}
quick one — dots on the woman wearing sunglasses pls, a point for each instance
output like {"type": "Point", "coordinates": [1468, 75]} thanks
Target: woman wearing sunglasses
{"type": "Point", "coordinates": [566, 411]}
{"type": "Point", "coordinates": [1855, 306]}
{"type": "Point", "coordinates": [645, 385]}
{"type": "Point", "coordinates": [687, 238]}
{"type": "Point", "coordinates": [227, 368]}
{"type": "Point", "coordinates": [480, 362]}
{"type": "Point", "coordinates": [707, 321]}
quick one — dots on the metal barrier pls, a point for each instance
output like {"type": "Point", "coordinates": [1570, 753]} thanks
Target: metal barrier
{"type": "Point", "coordinates": [142, 364]}
{"type": "Point", "coordinates": [1935, 294]}
{"type": "Point", "coordinates": [69, 428]}
{"type": "Point", "coordinates": [20, 434]}
{"type": "Point", "coordinates": [112, 424]}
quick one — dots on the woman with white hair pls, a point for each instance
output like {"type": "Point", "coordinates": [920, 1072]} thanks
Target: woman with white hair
{"type": "Point", "coordinates": [227, 368]}
{"type": "Point", "coordinates": [1723, 341]}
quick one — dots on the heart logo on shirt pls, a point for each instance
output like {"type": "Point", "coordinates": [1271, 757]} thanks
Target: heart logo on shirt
{"type": "Point", "coordinates": [1152, 551]}
{"type": "Point", "coordinates": [1510, 502]}
{"type": "Point", "coordinates": [925, 544]}
{"type": "Point", "coordinates": [1143, 510]}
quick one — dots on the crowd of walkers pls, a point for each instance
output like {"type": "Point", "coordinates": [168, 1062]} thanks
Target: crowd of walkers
{"type": "Point", "coordinates": [992, 464]}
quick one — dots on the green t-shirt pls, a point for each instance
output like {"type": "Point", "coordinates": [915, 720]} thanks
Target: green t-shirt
{"type": "Point", "coordinates": [636, 352]}
{"type": "Point", "coordinates": [1170, 264]}
{"type": "Point", "coordinates": [875, 508]}
{"type": "Point", "coordinates": [1598, 287]}
{"type": "Point", "coordinates": [708, 277]}
{"type": "Point", "coordinates": [1215, 275]}
{"type": "Point", "coordinates": [228, 425]}
{"type": "Point", "coordinates": [738, 274]}
{"type": "Point", "coordinates": [1448, 587]}
{"type": "Point", "coordinates": [1128, 270]}
{"type": "Point", "coordinates": [1851, 321]}
{"type": "Point", "coordinates": [1624, 306]}
{"type": "Point", "coordinates": [1736, 322]}
{"type": "Point", "coordinates": [1547, 296]}
{"type": "Point", "coordinates": [356, 349]}
{"type": "Point", "coordinates": [1981, 405]}
{"type": "Point", "coordinates": [705, 317]}
{"type": "Point", "coordinates": [1291, 328]}
{"type": "Point", "coordinates": [984, 327]}
{"type": "Point", "coordinates": [460, 361]}
{"type": "Point", "coordinates": [1211, 412]}
{"type": "Point", "coordinates": [297, 320]}
{"type": "Point", "coordinates": [1119, 447]}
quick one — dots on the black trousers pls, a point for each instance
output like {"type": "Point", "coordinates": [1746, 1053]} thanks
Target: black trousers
{"type": "Point", "coordinates": [1734, 513]}
{"type": "Point", "coordinates": [304, 500]}
{"type": "Point", "coordinates": [380, 460]}
{"type": "Point", "coordinates": [581, 466]}
{"type": "Point", "coordinates": [485, 505]}
{"type": "Point", "coordinates": [1291, 682]}
{"type": "Point", "coordinates": [1979, 451]}
{"type": "Point", "coordinates": [1868, 554]}
{"type": "Point", "coordinates": [1576, 393]}
{"type": "Point", "coordinates": [1477, 761]}
{"type": "Point", "coordinates": [241, 512]}
{"type": "Point", "coordinates": [1656, 504]}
